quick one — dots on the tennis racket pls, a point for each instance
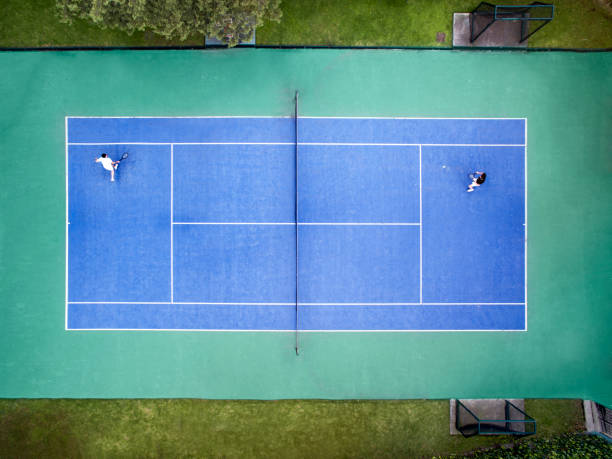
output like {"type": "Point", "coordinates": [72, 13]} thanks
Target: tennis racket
{"type": "Point", "coordinates": [123, 156]}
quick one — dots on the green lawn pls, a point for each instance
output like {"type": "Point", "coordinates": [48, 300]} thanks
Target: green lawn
{"type": "Point", "coordinates": [292, 428]}
{"type": "Point", "coordinates": [577, 24]}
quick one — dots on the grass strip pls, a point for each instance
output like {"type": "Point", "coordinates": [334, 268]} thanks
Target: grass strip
{"type": "Point", "coordinates": [577, 24]}
{"type": "Point", "coordinates": [288, 428]}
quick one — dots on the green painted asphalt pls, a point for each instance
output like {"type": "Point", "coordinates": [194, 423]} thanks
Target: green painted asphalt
{"type": "Point", "coordinates": [567, 98]}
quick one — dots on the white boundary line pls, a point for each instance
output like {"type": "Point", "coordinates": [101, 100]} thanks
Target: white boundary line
{"type": "Point", "coordinates": [182, 143]}
{"type": "Point", "coordinates": [182, 117]}
{"type": "Point", "coordinates": [359, 144]}
{"type": "Point", "coordinates": [171, 223]}
{"type": "Point", "coordinates": [403, 118]}
{"type": "Point", "coordinates": [234, 223]}
{"type": "Point", "coordinates": [329, 144]}
{"type": "Point", "coordinates": [120, 302]}
{"type": "Point", "coordinates": [413, 304]}
{"type": "Point", "coordinates": [409, 330]}
{"type": "Point", "coordinates": [291, 117]}
{"type": "Point", "coordinates": [67, 222]}
{"type": "Point", "coordinates": [300, 223]}
{"type": "Point", "coordinates": [380, 144]}
{"type": "Point", "coordinates": [420, 225]}
{"type": "Point", "coordinates": [238, 303]}
{"type": "Point", "coordinates": [526, 226]}
{"type": "Point", "coordinates": [358, 224]}
{"type": "Point", "coordinates": [284, 331]}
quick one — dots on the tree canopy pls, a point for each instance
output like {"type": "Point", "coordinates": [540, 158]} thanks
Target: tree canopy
{"type": "Point", "coordinates": [230, 21]}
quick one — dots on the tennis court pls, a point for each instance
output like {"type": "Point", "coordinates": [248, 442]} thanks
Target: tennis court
{"type": "Point", "coordinates": [199, 231]}
{"type": "Point", "coordinates": [234, 226]}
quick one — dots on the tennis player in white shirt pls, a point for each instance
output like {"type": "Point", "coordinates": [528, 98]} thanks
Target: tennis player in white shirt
{"type": "Point", "coordinates": [108, 164]}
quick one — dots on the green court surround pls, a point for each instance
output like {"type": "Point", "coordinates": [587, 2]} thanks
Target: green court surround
{"type": "Point", "coordinates": [567, 99]}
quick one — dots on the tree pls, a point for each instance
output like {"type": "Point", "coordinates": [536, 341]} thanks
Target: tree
{"type": "Point", "coordinates": [230, 21]}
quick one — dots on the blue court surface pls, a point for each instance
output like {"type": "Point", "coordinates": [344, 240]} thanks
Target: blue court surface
{"type": "Point", "coordinates": [200, 229]}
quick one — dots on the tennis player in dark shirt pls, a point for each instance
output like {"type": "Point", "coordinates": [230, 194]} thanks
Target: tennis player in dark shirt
{"type": "Point", "coordinates": [478, 178]}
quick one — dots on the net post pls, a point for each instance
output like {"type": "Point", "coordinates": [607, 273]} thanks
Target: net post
{"type": "Point", "coordinates": [297, 290]}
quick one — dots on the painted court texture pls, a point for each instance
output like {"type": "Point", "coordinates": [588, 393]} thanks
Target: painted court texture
{"type": "Point", "coordinates": [561, 350]}
{"type": "Point", "coordinates": [204, 236]}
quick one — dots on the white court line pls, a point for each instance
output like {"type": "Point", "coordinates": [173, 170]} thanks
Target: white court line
{"type": "Point", "coordinates": [407, 331]}
{"type": "Point", "coordinates": [235, 143]}
{"type": "Point", "coordinates": [401, 118]}
{"type": "Point", "coordinates": [421, 225]}
{"type": "Point", "coordinates": [381, 144]}
{"type": "Point", "coordinates": [234, 223]}
{"type": "Point", "coordinates": [472, 145]}
{"type": "Point", "coordinates": [412, 304]}
{"type": "Point", "coordinates": [119, 302]}
{"type": "Point", "coordinates": [357, 224]}
{"type": "Point", "coordinates": [171, 224]}
{"type": "Point", "coordinates": [181, 143]}
{"type": "Point", "coordinates": [183, 330]}
{"type": "Point", "coordinates": [288, 331]}
{"type": "Point", "coordinates": [237, 303]}
{"type": "Point", "coordinates": [119, 143]}
{"type": "Point", "coordinates": [66, 155]}
{"type": "Point", "coordinates": [526, 225]}
{"type": "Point", "coordinates": [329, 144]}
{"type": "Point", "coordinates": [299, 224]}
{"type": "Point", "coordinates": [291, 117]}
{"type": "Point", "coordinates": [178, 117]}
{"type": "Point", "coordinates": [359, 144]}
{"type": "Point", "coordinates": [181, 302]}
